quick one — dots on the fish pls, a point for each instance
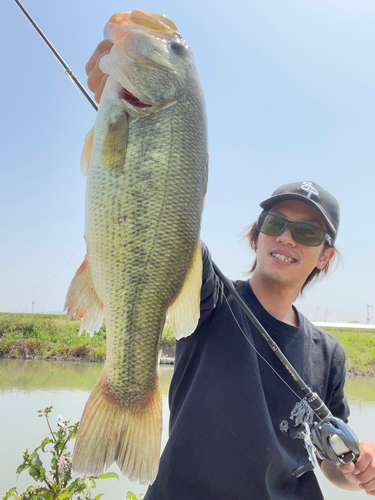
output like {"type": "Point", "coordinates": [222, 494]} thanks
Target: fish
{"type": "Point", "coordinates": [146, 162]}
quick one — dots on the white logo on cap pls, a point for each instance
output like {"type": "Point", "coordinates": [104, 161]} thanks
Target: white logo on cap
{"type": "Point", "coordinates": [309, 188]}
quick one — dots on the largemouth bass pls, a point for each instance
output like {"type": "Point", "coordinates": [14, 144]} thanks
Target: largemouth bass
{"type": "Point", "coordinates": [146, 166]}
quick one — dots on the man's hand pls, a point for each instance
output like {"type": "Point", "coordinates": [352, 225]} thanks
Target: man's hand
{"type": "Point", "coordinates": [95, 77]}
{"type": "Point", "coordinates": [362, 473]}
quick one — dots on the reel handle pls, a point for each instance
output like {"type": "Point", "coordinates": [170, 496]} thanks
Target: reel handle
{"type": "Point", "coordinates": [304, 468]}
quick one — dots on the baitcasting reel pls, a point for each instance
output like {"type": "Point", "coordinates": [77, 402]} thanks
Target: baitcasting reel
{"type": "Point", "coordinates": [330, 438]}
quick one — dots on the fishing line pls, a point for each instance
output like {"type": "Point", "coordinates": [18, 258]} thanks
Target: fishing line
{"type": "Point", "coordinates": [45, 281]}
{"type": "Point", "coordinates": [255, 349]}
{"type": "Point", "coordinates": [259, 354]}
{"type": "Point", "coordinates": [78, 90]}
{"type": "Point", "coordinates": [312, 398]}
{"type": "Point", "coordinates": [330, 438]}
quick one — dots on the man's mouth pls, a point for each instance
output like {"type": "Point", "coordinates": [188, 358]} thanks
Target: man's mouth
{"type": "Point", "coordinates": [283, 257]}
{"type": "Point", "coordinates": [132, 99]}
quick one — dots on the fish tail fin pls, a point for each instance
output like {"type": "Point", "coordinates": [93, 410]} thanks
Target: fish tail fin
{"type": "Point", "coordinates": [110, 431]}
{"type": "Point", "coordinates": [83, 302]}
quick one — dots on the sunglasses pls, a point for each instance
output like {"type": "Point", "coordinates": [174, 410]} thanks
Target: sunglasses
{"type": "Point", "coordinates": [302, 232]}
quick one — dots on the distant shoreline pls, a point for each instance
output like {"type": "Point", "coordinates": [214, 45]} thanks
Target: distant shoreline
{"type": "Point", "coordinates": [50, 337]}
{"type": "Point", "coordinates": [166, 360]}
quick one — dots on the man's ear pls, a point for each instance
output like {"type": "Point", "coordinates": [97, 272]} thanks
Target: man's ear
{"type": "Point", "coordinates": [326, 256]}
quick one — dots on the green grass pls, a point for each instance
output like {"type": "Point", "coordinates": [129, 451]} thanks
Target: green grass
{"type": "Point", "coordinates": [50, 336]}
{"type": "Point", "coordinates": [359, 346]}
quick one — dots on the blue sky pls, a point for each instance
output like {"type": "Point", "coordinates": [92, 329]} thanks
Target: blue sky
{"type": "Point", "coordinates": [289, 88]}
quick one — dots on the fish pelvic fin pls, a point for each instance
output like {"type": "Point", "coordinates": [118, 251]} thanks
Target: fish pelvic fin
{"type": "Point", "coordinates": [110, 431]}
{"type": "Point", "coordinates": [185, 310]}
{"type": "Point", "coordinates": [83, 302]}
{"type": "Point", "coordinates": [86, 152]}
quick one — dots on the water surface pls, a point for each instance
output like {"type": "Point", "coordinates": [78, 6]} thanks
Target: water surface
{"type": "Point", "coordinates": [27, 386]}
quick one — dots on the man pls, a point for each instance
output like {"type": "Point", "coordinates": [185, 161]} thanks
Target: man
{"type": "Point", "coordinates": [230, 406]}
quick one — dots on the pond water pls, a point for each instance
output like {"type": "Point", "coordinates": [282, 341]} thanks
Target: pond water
{"type": "Point", "coordinates": [27, 386]}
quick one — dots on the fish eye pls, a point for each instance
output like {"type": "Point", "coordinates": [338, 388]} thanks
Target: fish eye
{"type": "Point", "coordinates": [178, 46]}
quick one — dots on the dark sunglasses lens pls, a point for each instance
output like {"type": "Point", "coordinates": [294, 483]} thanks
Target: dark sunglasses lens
{"type": "Point", "coordinates": [271, 224]}
{"type": "Point", "coordinates": [302, 232]}
{"type": "Point", "coordinates": [306, 234]}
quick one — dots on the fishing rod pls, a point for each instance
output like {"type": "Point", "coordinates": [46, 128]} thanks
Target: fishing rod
{"type": "Point", "coordinates": [330, 438]}
{"type": "Point", "coordinates": [68, 71]}
{"type": "Point", "coordinates": [314, 401]}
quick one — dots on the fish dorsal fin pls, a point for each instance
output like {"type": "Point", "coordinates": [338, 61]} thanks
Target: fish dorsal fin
{"type": "Point", "coordinates": [86, 153]}
{"type": "Point", "coordinates": [83, 302]}
{"type": "Point", "coordinates": [184, 311]}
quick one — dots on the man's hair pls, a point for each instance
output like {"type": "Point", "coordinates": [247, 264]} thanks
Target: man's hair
{"type": "Point", "coordinates": [251, 234]}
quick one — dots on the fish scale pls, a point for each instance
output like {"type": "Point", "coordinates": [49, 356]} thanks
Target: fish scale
{"type": "Point", "coordinates": [147, 175]}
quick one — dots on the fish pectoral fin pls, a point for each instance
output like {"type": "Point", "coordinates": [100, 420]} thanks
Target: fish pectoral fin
{"type": "Point", "coordinates": [185, 310]}
{"type": "Point", "coordinates": [113, 151]}
{"type": "Point", "coordinates": [83, 302]}
{"type": "Point", "coordinates": [86, 152]}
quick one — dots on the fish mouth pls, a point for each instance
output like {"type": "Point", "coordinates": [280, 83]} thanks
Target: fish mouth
{"type": "Point", "coordinates": [127, 96]}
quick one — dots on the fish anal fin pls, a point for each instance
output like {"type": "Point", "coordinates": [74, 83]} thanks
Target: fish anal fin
{"type": "Point", "coordinates": [184, 312]}
{"type": "Point", "coordinates": [110, 431]}
{"type": "Point", "coordinates": [83, 302]}
{"type": "Point", "coordinates": [86, 152]}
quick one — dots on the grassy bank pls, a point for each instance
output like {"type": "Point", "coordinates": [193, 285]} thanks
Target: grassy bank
{"type": "Point", "coordinates": [50, 336]}
{"type": "Point", "coordinates": [360, 349]}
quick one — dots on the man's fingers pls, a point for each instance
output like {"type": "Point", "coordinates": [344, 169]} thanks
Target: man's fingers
{"type": "Point", "coordinates": [365, 461]}
{"type": "Point", "coordinates": [103, 47]}
{"type": "Point", "coordinates": [368, 474]}
{"type": "Point", "coordinates": [347, 469]}
{"type": "Point", "coordinates": [364, 471]}
{"type": "Point", "coordinates": [368, 487]}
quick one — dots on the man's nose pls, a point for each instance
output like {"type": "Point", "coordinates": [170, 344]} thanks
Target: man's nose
{"type": "Point", "coordinates": [286, 238]}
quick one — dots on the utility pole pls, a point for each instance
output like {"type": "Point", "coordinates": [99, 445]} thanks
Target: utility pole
{"type": "Point", "coordinates": [368, 313]}
{"type": "Point", "coordinates": [326, 315]}
{"type": "Point", "coordinates": [32, 307]}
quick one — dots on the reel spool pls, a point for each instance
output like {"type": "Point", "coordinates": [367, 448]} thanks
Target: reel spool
{"type": "Point", "coordinates": [335, 440]}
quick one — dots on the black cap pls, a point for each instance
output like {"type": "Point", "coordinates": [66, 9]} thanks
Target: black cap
{"type": "Point", "coordinates": [310, 193]}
